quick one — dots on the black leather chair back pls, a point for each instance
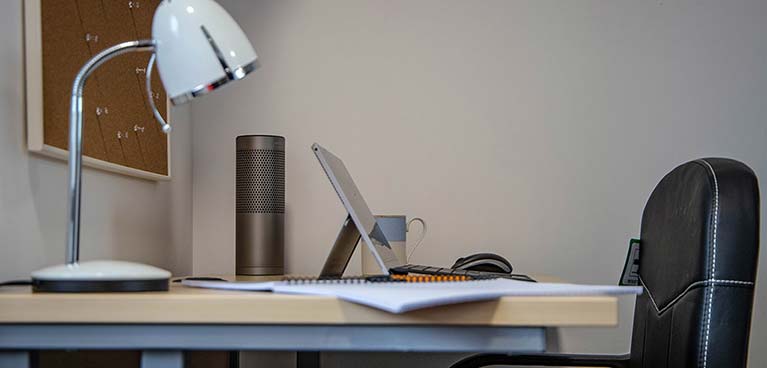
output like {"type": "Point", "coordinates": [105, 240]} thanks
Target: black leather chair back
{"type": "Point", "coordinates": [698, 257]}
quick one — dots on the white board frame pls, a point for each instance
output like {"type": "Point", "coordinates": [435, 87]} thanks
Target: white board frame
{"type": "Point", "coordinates": [33, 53]}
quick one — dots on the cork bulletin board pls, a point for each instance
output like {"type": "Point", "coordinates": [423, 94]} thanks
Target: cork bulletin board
{"type": "Point", "coordinates": [120, 133]}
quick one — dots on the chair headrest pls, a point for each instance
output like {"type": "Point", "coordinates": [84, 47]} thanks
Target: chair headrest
{"type": "Point", "coordinates": [701, 224]}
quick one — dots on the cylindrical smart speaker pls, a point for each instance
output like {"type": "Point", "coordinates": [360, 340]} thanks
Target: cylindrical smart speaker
{"type": "Point", "coordinates": [260, 205]}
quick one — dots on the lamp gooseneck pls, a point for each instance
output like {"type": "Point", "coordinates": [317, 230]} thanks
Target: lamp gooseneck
{"type": "Point", "coordinates": [76, 138]}
{"type": "Point", "coordinates": [166, 128]}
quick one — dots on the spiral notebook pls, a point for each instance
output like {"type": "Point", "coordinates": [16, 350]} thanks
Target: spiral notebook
{"type": "Point", "coordinates": [400, 297]}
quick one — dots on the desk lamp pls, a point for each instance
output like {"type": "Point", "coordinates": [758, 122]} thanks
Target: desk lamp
{"type": "Point", "coordinates": [198, 48]}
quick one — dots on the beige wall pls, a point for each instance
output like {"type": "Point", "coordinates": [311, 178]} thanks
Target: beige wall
{"type": "Point", "coordinates": [123, 217]}
{"type": "Point", "coordinates": [534, 129]}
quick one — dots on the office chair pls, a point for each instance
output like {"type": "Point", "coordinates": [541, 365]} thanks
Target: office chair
{"type": "Point", "coordinates": [698, 253]}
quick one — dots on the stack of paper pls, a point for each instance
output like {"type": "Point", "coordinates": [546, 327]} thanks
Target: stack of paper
{"type": "Point", "coordinates": [399, 297]}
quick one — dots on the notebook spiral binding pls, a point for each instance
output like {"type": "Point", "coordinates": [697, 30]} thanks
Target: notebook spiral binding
{"type": "Point", "coordinates": [298, 280]}
{"type": "Point", "coordinates": [308, 280]}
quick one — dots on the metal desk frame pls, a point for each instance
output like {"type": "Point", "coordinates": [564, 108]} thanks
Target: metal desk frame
{"type": "Point", "coordinates": [162, 345]}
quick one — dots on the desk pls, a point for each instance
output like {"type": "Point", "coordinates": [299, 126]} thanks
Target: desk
{"type": "Point", "coordinates": [163, 325]}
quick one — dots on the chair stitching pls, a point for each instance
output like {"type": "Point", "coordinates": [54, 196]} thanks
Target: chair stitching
{"type": "Point", "coordinates": [713, 263]}
{"type": "Point", "coordinates": [649, 294]}
{"type": "Point", "coordinates": [741, 282]}
{"type": "Point", "coordinates": [688, 289]}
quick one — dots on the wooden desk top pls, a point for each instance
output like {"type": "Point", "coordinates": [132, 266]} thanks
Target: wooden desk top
{"type": "Point", "coordinates": [205, 306]}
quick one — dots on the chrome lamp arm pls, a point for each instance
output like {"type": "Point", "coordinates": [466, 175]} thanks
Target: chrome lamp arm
{"type": "Point", "coordinates": [165, 126]}
{"type": "Point", "coordinates": [76, 135]}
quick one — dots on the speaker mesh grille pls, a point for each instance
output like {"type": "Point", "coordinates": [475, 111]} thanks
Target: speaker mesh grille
{"type": "Point", "coordinates": [260, 181]}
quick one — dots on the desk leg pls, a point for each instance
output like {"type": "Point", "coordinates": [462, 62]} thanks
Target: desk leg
{"type": "Point", "coordinates": [308, 359]}
{"type": "Point", "coordinates": [553, 340]}
{"type": "Point", "coordinates": [162, 359]}
{"type": "Point", "coordinates": [234, 359]}
{"type": "Point", "coordinates": [14, 359]}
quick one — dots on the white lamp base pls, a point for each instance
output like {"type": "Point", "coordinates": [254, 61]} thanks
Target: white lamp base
{"type": "Point", "coordinates": [100, 276]}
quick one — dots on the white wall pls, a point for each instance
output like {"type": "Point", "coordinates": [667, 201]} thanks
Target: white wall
{"type": "Point", "coordinates": [535, 129]}
{"type": "Point", "coordinates": [122, 217]}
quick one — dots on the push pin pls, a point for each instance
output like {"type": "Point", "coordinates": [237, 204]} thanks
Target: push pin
{"type": "Point", "coordinates": [140, 70]}
{"type": "Point", "coordinates": [101, 110]}
{"type": "Point", "coordinates": [89, 37]}
{"type": "Point", "coordinates": [137, 128]}
{"type": "Point", "coordinates": [133, 4]}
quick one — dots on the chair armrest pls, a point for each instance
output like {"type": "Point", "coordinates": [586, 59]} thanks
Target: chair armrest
{"type": "Point", "coordinates": [556, 360]}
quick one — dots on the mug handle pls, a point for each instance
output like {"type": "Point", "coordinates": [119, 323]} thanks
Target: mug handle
{"type": "Point", "coordinates": [420, 239]}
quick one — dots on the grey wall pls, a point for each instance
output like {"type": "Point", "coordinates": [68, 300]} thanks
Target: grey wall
{"type": "Point", "coordinates": [535, 129]}
{"type": "Point", "coordinates": [122, 217]}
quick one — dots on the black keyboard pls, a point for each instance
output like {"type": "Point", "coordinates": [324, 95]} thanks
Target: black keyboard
{"type": "Point", "coordinates": [430, 270]}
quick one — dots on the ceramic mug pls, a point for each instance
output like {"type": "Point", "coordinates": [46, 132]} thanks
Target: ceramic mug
{"type": "Point", "coordinates": [395, 228]}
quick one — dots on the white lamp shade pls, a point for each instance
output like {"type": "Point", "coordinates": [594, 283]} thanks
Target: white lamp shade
{"type": "Point", "coordinates": [199, 48]}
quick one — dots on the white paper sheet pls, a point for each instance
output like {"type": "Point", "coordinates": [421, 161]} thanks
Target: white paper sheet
{"type": "Point", "coordinates": [398, 297]}
{"type": "Point", "coordinates": [232, 285]}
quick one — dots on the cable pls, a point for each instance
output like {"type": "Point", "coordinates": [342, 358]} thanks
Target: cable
{"type": "Point", "coordinates": [199, 279]}
{"type": "Point", "coordinates": [16, 283]}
